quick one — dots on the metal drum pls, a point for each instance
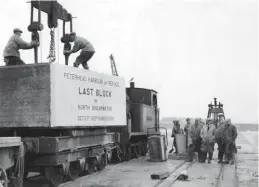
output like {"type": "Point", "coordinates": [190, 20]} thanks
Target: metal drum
{"type": "Point", "coordinates": [181, 143]}
{"type": "Point", "coordinates": [157, 148]}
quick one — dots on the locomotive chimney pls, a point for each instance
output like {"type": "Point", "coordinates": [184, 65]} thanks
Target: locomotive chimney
{"type": "Point", "coordinates": [132, 84]}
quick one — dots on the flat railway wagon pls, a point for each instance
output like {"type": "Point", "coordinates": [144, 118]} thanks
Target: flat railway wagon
{"type": "Point", "coordinates": [64, 122]}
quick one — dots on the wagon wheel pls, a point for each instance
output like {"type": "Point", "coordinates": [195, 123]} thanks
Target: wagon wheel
{"type": "Point", "coordinates": [102, 164]}
{"type": "Point", "coordinates": [92, 162]}
{"type": "Point", "coordinates": [3, 178]}
{"type": "Point", "coordinates": [55, 175]}
{"type": "Point", "coordinates": [73, 170]}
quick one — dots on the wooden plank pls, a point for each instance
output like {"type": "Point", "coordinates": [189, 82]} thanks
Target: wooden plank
{"type": "Point", "coordinates": [25, 96]}
{"type": "Point", "coordinates": [160, 175]}
{"type": "Point", "coordinates": [170, 180]}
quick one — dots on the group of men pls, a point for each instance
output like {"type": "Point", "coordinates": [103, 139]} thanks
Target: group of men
{"type": "Point", "coordinates": [15, 43]}
{"type": "Point", "coordinates": [204, 136]}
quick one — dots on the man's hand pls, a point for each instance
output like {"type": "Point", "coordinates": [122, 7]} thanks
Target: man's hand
{"type": "Point", "coordinates": [35, 43]}
{"type": "Point", "coordinates": [66, 52]}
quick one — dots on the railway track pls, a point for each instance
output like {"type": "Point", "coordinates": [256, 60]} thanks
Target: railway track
{"type": "Point", "coordinates": [224, 177]}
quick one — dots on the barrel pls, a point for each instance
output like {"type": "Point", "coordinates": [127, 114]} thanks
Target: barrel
{"type": "Point", "coordinates": [181, 143]}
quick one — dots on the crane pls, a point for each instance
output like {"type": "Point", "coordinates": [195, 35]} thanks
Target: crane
{"type": "Point", "coordinates": [113, 66]}
{"type": "Point", "coordinates": [55, 11]}
{"type": "Point", "coordinates": [214, 110]}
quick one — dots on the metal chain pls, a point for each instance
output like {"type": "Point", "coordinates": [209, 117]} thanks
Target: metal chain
{"type": "Point", "coordinates": [52, 52]}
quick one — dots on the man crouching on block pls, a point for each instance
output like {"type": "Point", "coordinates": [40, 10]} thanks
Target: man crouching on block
{"type": "Point", "coordinates": [86, 53]}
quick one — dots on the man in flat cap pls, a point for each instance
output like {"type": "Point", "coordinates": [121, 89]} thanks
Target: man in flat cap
{"type": "Point", "coordinates": [187, 126]}
{"type": "Point", "coordinates": [208, 138]}
{"type": "Point", "coordinates": [219, 137]}
{"type": "Point", "coordinates": [195, 131]}
{"type": "Point", "coordinates": [87, 50]}
{"type": "Point", "coordinates": [176, 130]}
{"type": "Point", "coordinates": [15, 43]}
{"type": "Point", "coordinates": [229, 137]}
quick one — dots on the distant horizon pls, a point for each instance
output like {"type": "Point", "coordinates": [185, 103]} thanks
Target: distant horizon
{"type": "Point", "coordinates": [182, 118]}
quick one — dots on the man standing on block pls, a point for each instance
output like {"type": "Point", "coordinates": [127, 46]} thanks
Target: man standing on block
{"type": "Point", "coordinates": [15, 43]}
{"type": "Point", "coordinates": [229, 137]}
{"type": "Point", "coordinates": [219, 137]}
{"type": "Point", "coordinates": [208, 138]}
{"type": "Point", "coordinates": [195, 131]}
{"type": "Point", "coordinates": [87, 50]}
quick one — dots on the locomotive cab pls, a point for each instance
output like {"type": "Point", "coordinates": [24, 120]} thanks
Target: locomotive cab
{"type": "Point", "coordinates": [144, 108]}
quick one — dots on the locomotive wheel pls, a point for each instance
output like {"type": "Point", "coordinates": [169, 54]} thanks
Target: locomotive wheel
{"type": "Point", "coordinates": [92, 162]}
{"type": "Point", "coordinates": [55, 175]}
{"type": "Point", "coordinates": [73, 170]}
{"type": "Point", "coordinates": [3, 177]}
{"type": "Point", "coordinates": [102, 164]}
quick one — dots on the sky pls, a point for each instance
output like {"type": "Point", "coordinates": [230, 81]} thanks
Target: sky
{"type": "Point", "coordinates": [188, 50]}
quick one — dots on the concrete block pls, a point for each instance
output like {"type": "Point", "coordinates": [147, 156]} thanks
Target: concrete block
{"type": "Point", "coordinates": [53, 95]}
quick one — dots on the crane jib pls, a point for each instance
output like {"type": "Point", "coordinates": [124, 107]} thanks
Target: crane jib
{"type": "Point", "coordinates": [53, 8]}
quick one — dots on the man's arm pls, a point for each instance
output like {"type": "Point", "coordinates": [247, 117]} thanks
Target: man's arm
{"type": "Point", "coordinates": [192, 132]}
{"type": "Point", "coordinates": [173, 132]}
{"type": "Point", "coordinates": [75, 48]}
{"type": "Point", "coordinates": [22, 44]}
{"type": "Point", "coordinates": [202, 133]}
{"type": "Point", "coordinates": [234, 132]}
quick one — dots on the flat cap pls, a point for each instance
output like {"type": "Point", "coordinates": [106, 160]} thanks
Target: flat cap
{"type": "Point", "coordinates": [187, 119]}
{"type": "Point", "coordinates": [17, 30]}
{"type": "Point", "coordinates": [197, 119]}
{"type": "Point", "coordinates": [72, 34]}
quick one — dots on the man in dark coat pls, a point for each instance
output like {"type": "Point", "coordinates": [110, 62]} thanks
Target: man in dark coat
{"type": "Point", "coordinates": [176, 130]}
{"type": "Point", "coordinates": [219, 138]}
{"type": "Point", "coordinates": [195, 131]}
{"type": "Point", "coordinates": [229, 138]}
{"type": "Point", "coordinates": [15, 43]}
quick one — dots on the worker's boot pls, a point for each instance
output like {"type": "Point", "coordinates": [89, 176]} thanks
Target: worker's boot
{"type": "Point", "coordinates": [220, 161]}
{"type": "Point", "coordinates": [226, 162]}
{"type": "Point", "coordinates": [75, 65]}
{"type": "Point", "coordinates": [86, 66]}
{"type": "Point", "coordinates": [171, 150]}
